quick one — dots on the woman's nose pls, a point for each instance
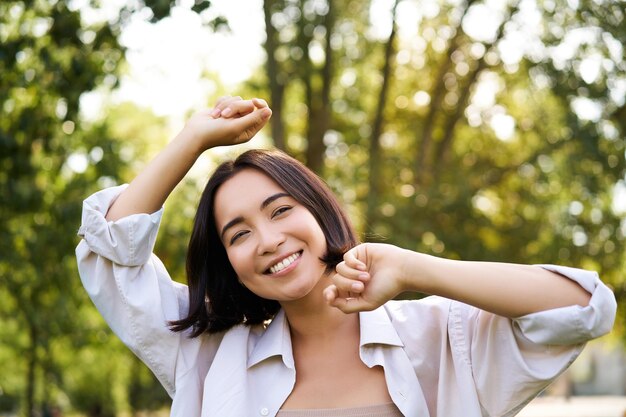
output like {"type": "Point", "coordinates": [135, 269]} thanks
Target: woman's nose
{"type": "Point", "coordinates": [269, 239]}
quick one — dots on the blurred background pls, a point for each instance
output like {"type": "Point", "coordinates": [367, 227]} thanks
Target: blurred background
{"type": "Point", "coordinates": [478, 130]}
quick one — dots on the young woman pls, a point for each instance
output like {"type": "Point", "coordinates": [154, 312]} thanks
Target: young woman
{"type": "Point", "coordinates": [286, 315]}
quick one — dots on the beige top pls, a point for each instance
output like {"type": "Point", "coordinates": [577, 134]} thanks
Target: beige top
{"type": "Point", "coordinates": [380, 410]}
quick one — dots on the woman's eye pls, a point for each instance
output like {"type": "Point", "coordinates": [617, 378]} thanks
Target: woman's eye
{"type": "Point", "coordinates": [281, 210]}
{"type": "Point", "coordinates": [237, 235]}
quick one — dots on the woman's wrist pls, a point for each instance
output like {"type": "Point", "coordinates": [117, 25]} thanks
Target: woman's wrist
{"type": "Point", "coordinates": [192, 142]}
{"type": "Point", "coordinates": [414, 271]}
{"type": "Point", "coordinates": [407, 271]}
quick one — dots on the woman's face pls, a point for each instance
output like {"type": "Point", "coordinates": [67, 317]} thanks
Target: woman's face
{"type": "Point", "coordinates": [273, 242]}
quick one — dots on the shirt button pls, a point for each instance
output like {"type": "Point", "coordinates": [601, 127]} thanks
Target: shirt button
{"type": "Point", "coordinates": [264, 411]}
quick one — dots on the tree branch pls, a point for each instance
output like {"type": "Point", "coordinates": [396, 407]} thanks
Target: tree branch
{"type": "Point", "coordinates": [377, 125]}
{"type": "Point", "coordinates": [445, 144]}
{"type": "Point", "coordinates": [436, 97]}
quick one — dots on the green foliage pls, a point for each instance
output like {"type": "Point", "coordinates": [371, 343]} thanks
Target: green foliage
{"type": "Point", "coordinates": [143, 393]}
{"type": "Point", "coordinates": [50, 160]}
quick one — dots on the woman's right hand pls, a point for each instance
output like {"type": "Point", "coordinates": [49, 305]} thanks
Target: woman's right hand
{"type": "Point", "coordinates": [232, 121]}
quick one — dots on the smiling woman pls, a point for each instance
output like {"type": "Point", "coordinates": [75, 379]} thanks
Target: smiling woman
{"type": "Point", "coordinates": [285, 313]}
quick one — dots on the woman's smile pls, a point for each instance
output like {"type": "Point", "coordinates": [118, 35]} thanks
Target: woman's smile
{"type": "Point", "coordinates": [285, 265]}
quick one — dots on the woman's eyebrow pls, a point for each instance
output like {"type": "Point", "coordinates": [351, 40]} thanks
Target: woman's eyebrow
{"type": "Point", "coordinates": [271, 198]}
{"type": "Point", "coordinates": [264, 204]}
{"type": "Point", "coordinates": [230, 224]}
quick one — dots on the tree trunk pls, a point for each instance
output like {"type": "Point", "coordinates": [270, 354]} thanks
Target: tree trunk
{"type": "Point", "coordinates": [375, 156]}
{"type": "Point", "coordinates": [275, 78]}
{"type": "Point", "coordinates": [306, 73]}
{"type": "Point", "coordinates": [319, 109]}
{"type": "Point", "coordinates": [31, 370]}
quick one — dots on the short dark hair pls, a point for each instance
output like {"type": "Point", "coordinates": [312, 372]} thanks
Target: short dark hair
{"type": "Point", "coordinates": [217, 301]}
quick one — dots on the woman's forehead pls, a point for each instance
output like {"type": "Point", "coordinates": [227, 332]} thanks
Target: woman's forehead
{"type": "Point", "coordinates": [250, 179]}
{"type": "Point", "coordinates": [245, 190]}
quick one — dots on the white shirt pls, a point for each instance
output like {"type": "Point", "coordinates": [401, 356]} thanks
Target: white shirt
{"type": "Point", "coordinates": [440, 357]}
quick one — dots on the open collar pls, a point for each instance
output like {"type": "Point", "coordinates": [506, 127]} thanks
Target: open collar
{"type": "Point", "coordinates": [375, 328]}
{"type": "Point", "coordinates": [275, 341]}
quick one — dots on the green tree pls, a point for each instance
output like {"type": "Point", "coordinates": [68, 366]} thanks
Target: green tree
{"type": "Point", "coordinates": [48, 60]}
{"type": "Point", "coordinates": [50, 159]}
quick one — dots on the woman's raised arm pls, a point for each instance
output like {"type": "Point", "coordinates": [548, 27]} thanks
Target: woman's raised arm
{"type": "Point", "coordinates": [372, 274]}
{"type": "Point", "coordinates": [232, 121]}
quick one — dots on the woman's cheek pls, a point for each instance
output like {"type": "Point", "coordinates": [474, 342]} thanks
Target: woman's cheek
{"type": "Point", "coordinates": [233, 258]}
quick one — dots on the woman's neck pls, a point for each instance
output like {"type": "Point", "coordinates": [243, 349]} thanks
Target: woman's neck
{"type": "Point", "coordinates": [312, 317]}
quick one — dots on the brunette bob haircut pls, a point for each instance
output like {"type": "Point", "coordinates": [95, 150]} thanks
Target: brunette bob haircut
{"type": "Point", "coordinates": [217, 301]}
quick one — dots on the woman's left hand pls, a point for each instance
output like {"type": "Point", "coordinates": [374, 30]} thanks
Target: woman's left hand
{"type": "Point", "coordinates": [370, 275]}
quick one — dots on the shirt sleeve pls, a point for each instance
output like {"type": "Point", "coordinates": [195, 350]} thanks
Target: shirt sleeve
{"type": "Point", "coordinates": [130, 286]}
{"type": "Point", "coordinates": [514, 360]}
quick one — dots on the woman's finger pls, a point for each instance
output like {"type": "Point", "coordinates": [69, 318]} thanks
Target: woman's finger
{"type": "Point", "coordinates": [226, 107]}
{"type": "Point", "coordinates": [349, 305]}
{"type": "Point", "coordinates": [347, 271]}
{"type": "Point", "coordinates": [334, 296]}
{"type": "Point", "coordinates": [238, 108]}
{"type": "Point", "coordinates": [222, 103]}
{"type": "Point", "coordinates": [330, 293]}
{"type": "Point", "coordinates": [356, 257]}
{"type": "Point", "coordinates": [217, 108]}
{"type": "Point", "coordinates": [346, 286]}
{"type": "Point", "coordinates": [260, 103]}
{"type": "Point", "coordinates": [249, 125]}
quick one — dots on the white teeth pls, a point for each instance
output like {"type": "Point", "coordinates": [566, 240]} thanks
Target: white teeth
{"type": "Point", "coordinates": [284, 263]}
